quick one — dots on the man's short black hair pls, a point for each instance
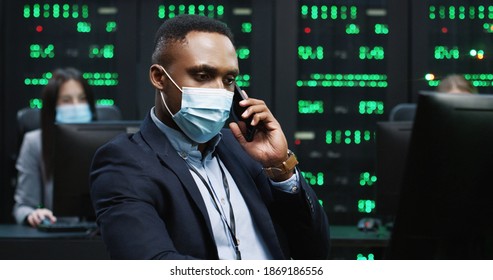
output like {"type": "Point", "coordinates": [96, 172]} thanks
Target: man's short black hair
{"type": "Point", "coordinates": [176, 29]}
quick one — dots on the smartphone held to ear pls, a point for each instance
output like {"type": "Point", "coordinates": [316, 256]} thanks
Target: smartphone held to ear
{"type": "Point", "coordinates": [245, 124]}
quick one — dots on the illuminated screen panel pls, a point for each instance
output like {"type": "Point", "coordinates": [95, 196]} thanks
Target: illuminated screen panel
{"type": "Point", "coordinates": [88, 35]}
{"type": "Point", "coordinates": [52, 34]}
{"type": "Point", "coordinates": [236, 14]}
{"type": "Point", "coordinates": [453, 37]}
{"type": "Point", "coordinates": [342, 81]}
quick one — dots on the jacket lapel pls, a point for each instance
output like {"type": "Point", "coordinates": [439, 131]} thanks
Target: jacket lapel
{"type": "Point", "coordinates": [160, 144]}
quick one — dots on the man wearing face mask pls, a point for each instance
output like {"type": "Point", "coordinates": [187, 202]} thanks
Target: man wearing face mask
{"type": "Point", "coordinates": [67, 98]}
{"type": "Point", "coordinates": [183, 187]}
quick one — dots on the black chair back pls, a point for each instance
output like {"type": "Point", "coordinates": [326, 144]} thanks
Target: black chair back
{"type": "Point", "coordinates": [403, 112]}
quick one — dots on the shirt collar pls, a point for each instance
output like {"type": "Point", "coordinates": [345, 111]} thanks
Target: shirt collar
{"type": "Point", "coordinates": [185, 147]}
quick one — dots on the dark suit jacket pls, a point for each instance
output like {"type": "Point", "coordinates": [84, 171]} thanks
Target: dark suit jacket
{"type": "Point", "coordinates": [149, 207]}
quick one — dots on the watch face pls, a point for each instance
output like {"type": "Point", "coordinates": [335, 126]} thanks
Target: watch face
{"type": "Point", "coordinates": [291, 162]}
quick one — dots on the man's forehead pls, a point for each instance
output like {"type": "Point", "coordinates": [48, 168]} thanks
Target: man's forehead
{"type": "Point", "coordinates": [233, 70]}
{"type": "Point", "coordinates": [206, 50]}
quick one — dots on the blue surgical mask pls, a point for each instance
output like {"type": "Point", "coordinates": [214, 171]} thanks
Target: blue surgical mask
{"type": "Point", "coordinates": [78, 113]}
{"type": "Point", "coordinates": [203, 112]}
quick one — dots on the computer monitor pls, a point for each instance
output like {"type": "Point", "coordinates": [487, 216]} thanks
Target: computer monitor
{"type": "Point", "coordinates": [445, 209]}
{"type": "Point", "coordinates": [74, 148]}
{"type": "Point", "coordinates": [392, 142]}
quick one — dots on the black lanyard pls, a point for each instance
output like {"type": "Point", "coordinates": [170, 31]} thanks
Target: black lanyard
{"type": "Point", "coordinates": [231, 225]}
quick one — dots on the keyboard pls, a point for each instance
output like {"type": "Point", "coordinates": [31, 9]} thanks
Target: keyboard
{"type": "Point", "coordinates": [62, 226]}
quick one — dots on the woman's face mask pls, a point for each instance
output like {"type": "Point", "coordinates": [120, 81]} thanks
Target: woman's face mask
{"type": "Point", "coordinates": [73, 113]}
{"type": "Point", "coordinates": [203, 112]}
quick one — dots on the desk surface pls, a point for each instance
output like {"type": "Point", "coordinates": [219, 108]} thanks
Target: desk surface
{"type": "Point", "coordinates": [23, 242]}
{"type": "Point", "coordinates": [26, 232]}
{"type": "Point", "coordinates": [352, 236]}
{"type": "Point", "coordinates": [338, 233]}
{"type": "Point", "coordinates": [20, 242]}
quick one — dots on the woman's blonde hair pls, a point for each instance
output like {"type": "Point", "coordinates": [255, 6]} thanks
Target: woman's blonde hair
{"type": "Point", "coordinates": [456, 83]}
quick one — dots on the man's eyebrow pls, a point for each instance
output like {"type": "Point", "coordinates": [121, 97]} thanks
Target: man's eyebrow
{"type": "Point", "coordinates": [209, 69]}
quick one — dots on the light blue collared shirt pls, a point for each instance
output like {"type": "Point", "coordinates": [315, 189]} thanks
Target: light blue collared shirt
{"type": "Point", "coordinates": [251, 244]}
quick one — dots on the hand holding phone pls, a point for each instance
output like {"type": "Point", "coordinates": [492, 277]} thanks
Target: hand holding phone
{"type": "Point", "coordinates": [244, 124]}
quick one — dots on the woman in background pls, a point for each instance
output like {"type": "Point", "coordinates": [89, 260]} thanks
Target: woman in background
{"type": "Point", "coordinates": [67, 98]}
{"type": "Point", "coordinates": [456, 84]}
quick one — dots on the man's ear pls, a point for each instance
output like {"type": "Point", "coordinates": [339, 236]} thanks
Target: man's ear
{"type": "Point", "coordinates": [157, 77]}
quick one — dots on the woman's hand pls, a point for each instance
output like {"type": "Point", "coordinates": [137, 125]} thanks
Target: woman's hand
{"type": "Point", "coordinates": [38, 215]}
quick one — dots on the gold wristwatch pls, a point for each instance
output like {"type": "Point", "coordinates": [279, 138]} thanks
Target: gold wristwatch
{"type": "Point", "coordinates": [285, 167]}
